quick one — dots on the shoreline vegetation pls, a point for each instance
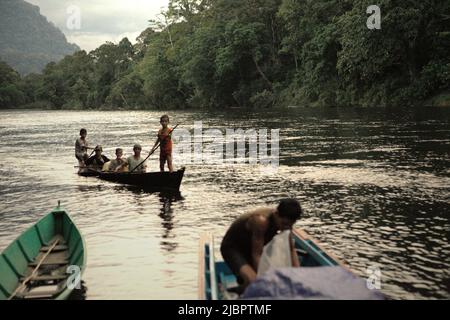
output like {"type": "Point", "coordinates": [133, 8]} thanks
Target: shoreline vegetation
{"type": "Point", "coordinates": [255, 54]}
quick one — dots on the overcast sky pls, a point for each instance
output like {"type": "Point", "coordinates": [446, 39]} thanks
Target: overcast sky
{"type": "Point", "coordinates": [101, 20]}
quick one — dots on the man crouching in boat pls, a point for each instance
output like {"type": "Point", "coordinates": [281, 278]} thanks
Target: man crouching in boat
{"type": "Point", "coordinates": [244, 241]}
{"type": "Point", "coordinates": [98, 160]}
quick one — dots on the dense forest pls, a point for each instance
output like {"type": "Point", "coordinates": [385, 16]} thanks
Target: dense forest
{"type": "Point", "coordinates": [258, 54]}
{"type": "Point", "coordinates": [28, 42]}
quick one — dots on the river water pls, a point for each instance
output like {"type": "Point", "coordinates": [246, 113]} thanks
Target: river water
{"type": "Point", "coordinates": [374, 186]}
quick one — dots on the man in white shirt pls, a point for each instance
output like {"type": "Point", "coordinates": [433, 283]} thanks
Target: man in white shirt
{"type": "Point", "coordinates": [134, 161]}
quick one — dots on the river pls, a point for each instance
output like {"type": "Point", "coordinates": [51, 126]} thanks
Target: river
{"type": "Point", "coordinates": [374, 186]}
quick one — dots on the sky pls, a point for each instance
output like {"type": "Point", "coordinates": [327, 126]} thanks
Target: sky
{"type": "Point", "coordinates": [90, 23]}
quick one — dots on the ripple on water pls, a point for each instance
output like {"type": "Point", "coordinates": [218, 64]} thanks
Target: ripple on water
{"type": "Point", "coordinates": [374, 188]}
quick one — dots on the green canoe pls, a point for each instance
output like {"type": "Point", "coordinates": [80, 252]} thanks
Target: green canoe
{"type": "Point", "coordinates": [45, 262]}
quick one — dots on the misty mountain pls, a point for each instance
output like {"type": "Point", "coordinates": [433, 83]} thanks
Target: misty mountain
{"type": "Point", "coordinates": [27, 40]}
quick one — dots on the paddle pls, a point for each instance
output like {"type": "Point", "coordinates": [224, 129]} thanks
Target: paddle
{"type": "Point", "coordinates": [91, 152]}
{"type": "Point", "coordinates": [156, 148]}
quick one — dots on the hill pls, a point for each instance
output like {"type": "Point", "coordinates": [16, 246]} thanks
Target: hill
{"type": "Point", "coordinates": [27, 40]}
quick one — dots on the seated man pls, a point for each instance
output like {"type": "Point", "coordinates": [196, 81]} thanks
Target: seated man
{"type": "Point", "coordinates": [135, 163]}
{"type": "Point", "coordinates": [118, 162]}
{"type": "Point", "coordinates": [97, 161]}
{"type": "Point", "coordinates": [244, 241]}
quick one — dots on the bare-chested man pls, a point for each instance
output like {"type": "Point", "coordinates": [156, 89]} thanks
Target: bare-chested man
{"type": "Point", "coordinates": [244, 241]}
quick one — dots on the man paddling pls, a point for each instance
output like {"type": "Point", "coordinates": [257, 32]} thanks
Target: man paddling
{"type": "Point", "coordinates": [164, 141]}
{"type": "Point", "coordinates": [244, 241]}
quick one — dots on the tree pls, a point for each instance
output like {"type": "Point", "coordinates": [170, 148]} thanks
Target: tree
{"type": "Point", "coordinates": [11, 94]}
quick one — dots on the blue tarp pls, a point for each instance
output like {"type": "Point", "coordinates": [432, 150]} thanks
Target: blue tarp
{"type": "Point", "coordinates": [313, 283]}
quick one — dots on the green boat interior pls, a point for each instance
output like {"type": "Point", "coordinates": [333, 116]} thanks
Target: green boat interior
{"type": "Point", "coordinates": [34, 266]}
{"type": "Point", "coordinates": [221, 284]}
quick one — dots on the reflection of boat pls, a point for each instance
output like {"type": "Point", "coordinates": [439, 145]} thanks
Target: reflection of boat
{"type": "Point", "coordinates": [216, 280]}
{"type": "Point", "coordinates": [35, 265]}
{"type": "Point", "coordinates": [148, 181]}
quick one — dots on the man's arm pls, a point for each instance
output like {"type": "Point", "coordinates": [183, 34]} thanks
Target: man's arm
{"type": "Point", "coordinates": [156, 143]}
{"type": "Point", "coordinates": [258, 226]}
{"type": "Point", "coordinates": [295, 260]}
{"type": "Point", "coordinates": [122, 166]}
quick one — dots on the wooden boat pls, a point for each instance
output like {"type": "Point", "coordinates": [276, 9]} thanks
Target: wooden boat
{"type": "Point", "coordinates": [34, 265]}
{"type": "Point", "coordinates": [148, 181]}
{"type": "Point", "coordinates": [217, 281]}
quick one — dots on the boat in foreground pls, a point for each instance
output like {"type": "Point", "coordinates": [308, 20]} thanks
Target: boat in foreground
{"type": "Point", "coordinates": [35, 265]}
{"type": "Point", "coordinates": [217, 281]}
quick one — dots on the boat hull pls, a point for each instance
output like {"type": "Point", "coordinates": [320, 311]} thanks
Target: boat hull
{"type": "Point", "coordinates": [88, 173]}
{"type": "Point", "coordinates": [216, 278]}
{"type": "Point", "coordinates": [39, 259]}
{"type": "Point", "coordinates": [149, 181]}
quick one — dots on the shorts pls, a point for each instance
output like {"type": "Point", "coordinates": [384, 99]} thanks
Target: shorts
{"type": "Point", "coordinates": [235, 259]}
{"type": "Point", "coordinates": [164, 155]}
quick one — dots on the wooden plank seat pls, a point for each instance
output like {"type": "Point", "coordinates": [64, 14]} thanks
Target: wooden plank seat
{"type": "Point", "coordinates": [47, 277]}
{"type": "Point", "coordinates": [56, 249]}
{"type": "Point", "coordinates": [38, 295]}
{"type": "Point", "coordinates": [34, 265]}
{"type": "Point", "coordinates": [49, 262]}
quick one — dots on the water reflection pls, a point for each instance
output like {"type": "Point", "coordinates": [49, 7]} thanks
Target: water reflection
{"type": "Point", "coordinates": [374, 186]}
{"type": "Point", "coordinates": [166, 213]}
{"type": "Point", "coordinates": [79, 294]}
{"type": "Point", "coordinates": [90, 188]}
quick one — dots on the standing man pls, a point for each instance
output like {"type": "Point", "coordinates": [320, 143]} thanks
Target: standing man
{"type": "Point", "coordinates": [165, 141]}
{"type": "Point", "coordinates": [81, 146]}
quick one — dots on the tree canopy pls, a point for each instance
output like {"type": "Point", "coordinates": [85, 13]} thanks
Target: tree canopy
{"type": "Point", "coordinates": [260, 54]}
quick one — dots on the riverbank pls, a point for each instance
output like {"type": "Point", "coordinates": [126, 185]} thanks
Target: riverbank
{"type": "Point", "coordinates": [439, 100]}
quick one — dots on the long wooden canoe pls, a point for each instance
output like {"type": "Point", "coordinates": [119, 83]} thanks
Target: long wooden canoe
{"type": "Point", "coordinates": [150, 180]}
{"type": "Point", "coordinates": [35, 265]}
{"type": "Point", "coordinates": [157, 181]}
{"type": "Point", "coordinates": [217, 281]}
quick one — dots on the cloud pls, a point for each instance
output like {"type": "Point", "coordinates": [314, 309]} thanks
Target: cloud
{"type": "Point", "coordinates": [92, 40]}
{"type": "Point", "coordinates": [101, 20]}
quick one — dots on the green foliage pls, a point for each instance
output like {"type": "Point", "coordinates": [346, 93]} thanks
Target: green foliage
{"type": "Point", "coordinates": [11, 94]}
{"type": "Point", "coordinates": [258, 54]}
